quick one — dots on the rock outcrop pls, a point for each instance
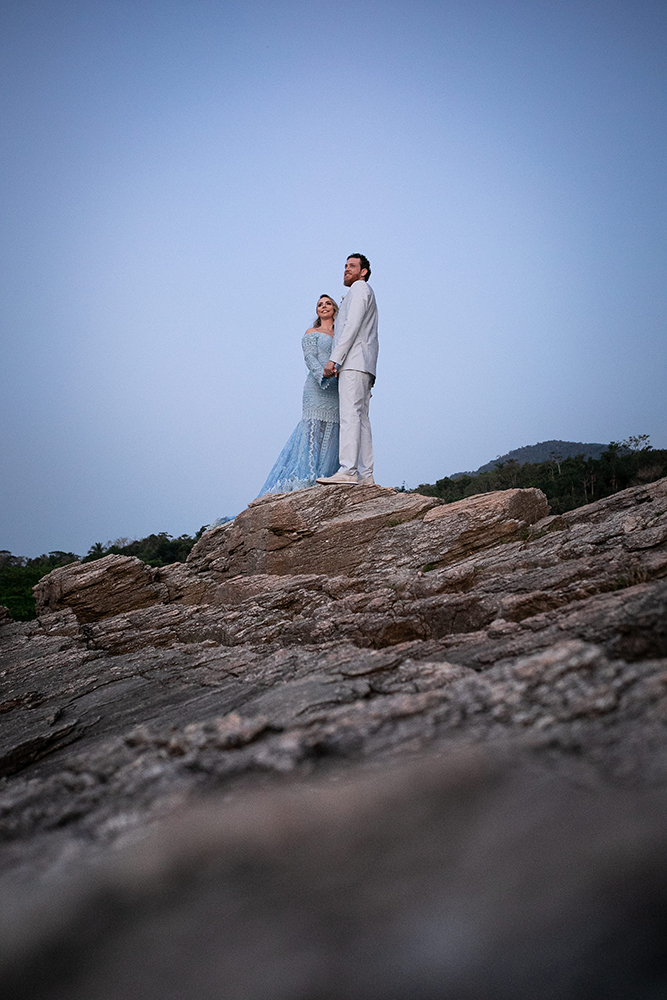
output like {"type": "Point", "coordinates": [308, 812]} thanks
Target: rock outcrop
{"type": "Point", "coordinates": [395, 707]}
{"type": "Point", "coordinates": [100, 589]}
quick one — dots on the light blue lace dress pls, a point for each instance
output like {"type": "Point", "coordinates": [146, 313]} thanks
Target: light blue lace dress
{"type": "Point", "coordinates": [312, 450]}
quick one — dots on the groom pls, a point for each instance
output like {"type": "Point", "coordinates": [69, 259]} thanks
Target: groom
{"type": "Point", "coordinates": [354, 357]}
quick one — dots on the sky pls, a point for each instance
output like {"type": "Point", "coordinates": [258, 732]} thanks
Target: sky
{"type": "Point", "coordinates": [181, 180]}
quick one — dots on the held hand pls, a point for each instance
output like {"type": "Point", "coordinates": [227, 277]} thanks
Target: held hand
{"type": "Point", "coordinates": [329, 370]}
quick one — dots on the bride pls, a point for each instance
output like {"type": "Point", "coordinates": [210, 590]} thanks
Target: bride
{"type": "Point", "coordinates": [312, 450]}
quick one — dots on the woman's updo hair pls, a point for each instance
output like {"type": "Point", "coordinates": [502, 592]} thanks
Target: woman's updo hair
{"type": "Point", "coordinates": [318, 321]}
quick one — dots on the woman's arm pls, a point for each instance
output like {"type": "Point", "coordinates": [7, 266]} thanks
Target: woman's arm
{"type": "Point", "coordinates": [313, 363]}
{"type": "Point", "coordinates": [311, 357]}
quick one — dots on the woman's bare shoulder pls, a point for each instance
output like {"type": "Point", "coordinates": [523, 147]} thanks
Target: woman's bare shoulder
{"type": "Point", "coordinates": [312, 329]}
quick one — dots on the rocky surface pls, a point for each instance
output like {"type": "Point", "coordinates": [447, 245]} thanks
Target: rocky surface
{"type": "Point", "coordinates": [99, 589]}
{"type": "Point", "coordinates": [431, 740]}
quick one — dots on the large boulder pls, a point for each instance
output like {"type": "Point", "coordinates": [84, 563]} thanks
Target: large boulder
{"type": "Point", "coordinates": [375, 566]}
{"type": "Point", "coordinates": [99, 589]}
{"type": "Point", "coordinates": [319, 530]}
{"type": "Point", "coordinates": [449, 533]}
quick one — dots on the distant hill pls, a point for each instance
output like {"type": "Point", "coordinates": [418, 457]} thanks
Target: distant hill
{"type": "Point", "coordinates": [567, 472]}
{"type": "Point", "coordinates": [543, 451]}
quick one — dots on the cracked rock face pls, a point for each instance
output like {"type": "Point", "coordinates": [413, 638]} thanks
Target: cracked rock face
{"type": "Point", "coordinates": [362, 744]}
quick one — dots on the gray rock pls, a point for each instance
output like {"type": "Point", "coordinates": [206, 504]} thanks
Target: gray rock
{"type": "Point", "coordinates": [514, 662]}
{"type": "Point", "coordinates": [463, 879]}
{"type": "Point", "coordinates": [322, 529]}
{"type": "Point", "coordinates": [99, 589]}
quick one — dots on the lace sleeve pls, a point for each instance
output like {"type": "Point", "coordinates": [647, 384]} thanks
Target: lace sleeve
{"type": "Point", "coordinates": [311, 357]}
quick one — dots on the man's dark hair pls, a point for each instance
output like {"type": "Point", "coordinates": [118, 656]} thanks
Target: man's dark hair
{"type": "Point", "coordinates": [365, 263]}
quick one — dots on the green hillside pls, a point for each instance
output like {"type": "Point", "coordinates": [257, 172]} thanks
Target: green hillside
{"type": "Point", "coordinates": [543, 451]}
{"type": "Point", "coordinates": [19, 575]}
{"type": "Point", "coordinates": [567, 482]}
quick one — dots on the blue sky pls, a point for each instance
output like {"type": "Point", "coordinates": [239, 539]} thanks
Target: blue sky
{"type": "Point", "coordinates": [181, 180]}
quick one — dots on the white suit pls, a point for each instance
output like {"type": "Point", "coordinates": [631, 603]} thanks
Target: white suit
{"type": "Point", "coordinates": [355, 352]}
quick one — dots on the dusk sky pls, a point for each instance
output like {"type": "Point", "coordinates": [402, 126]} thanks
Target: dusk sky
{"type": "Point", "coordinates": [182, 179]}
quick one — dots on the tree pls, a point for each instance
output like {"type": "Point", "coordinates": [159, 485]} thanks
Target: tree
{"type": "Point", "coordinates": [642, 442]}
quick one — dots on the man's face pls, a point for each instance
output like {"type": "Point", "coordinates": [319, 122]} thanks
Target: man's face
{"type": "Point", "coordinates": [353, 271]}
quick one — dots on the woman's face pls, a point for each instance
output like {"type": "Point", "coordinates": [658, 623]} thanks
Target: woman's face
{"type": "Point", "coordinates": [325, 309]}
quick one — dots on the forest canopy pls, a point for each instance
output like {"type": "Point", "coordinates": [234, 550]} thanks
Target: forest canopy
{"type": "Point", "coordinates": [19, 575]}
{"type": "Point", "coordinates": [567, 482]}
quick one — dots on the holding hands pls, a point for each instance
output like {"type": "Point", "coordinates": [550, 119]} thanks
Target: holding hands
{"type": "Point", "coordinates": [330, 370]}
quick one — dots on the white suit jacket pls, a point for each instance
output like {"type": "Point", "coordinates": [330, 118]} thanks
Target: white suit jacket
{"type": "Point", "coordinates": [356, 331]}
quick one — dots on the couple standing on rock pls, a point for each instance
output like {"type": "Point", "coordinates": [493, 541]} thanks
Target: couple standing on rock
{"type": "Point", "coordinates": [332, 444]}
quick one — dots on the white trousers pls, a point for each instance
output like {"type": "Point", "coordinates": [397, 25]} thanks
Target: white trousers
{"type": "Point", "coordinates": [355, 451]}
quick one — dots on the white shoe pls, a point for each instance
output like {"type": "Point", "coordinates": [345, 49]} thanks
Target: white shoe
{"type": "Point", "coordinates": [368, 481]}
{"type": "Point", "coordinates": [338, 479]}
